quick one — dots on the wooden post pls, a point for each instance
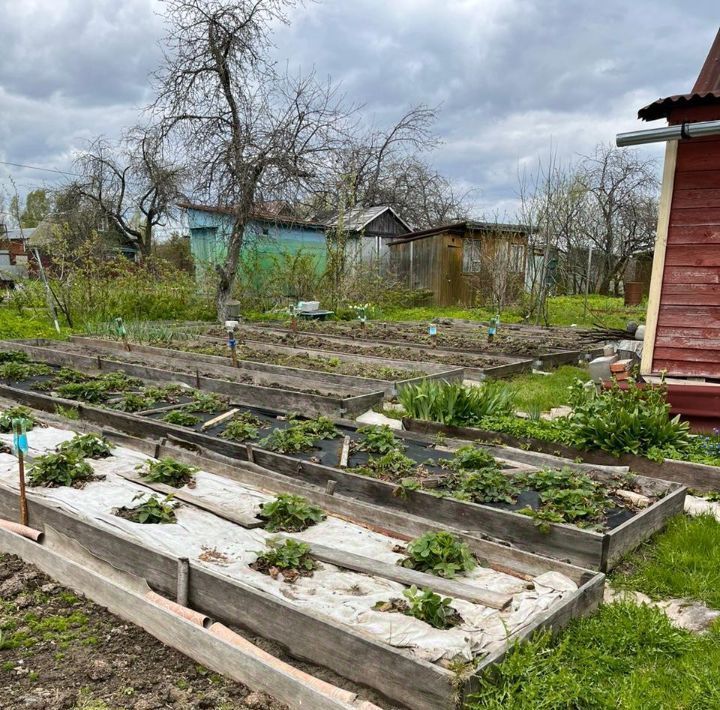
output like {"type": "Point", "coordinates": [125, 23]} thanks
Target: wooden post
{"type": "Point", "coordinates": [23, 496]}
{"type": "Point", "coordinates": [183, 580]}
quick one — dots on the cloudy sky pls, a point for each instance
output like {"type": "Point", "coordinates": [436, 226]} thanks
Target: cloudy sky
{"type": "Point", "coordinates": [516, 79]}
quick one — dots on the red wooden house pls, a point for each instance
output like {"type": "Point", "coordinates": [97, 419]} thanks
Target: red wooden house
{"type": "Point", "coordinates": [682, 337]}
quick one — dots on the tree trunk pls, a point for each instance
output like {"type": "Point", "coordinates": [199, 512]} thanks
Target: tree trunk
{"type": "Point", "coordinates": [227, 273]}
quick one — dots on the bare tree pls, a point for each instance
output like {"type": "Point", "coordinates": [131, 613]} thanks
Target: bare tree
{"type": "Point", "coordinates": [386, 166]}
{"type": "Point", "coordinates": [620, 212]}
{"type": "Point", "coordinates": [131, 183]}
{"type": "Point", "coordinates": [251, 133]}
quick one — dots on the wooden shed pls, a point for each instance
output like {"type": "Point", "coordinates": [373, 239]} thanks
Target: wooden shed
{"type": "Point", "coordinates": [463, 263]}
{"type": "Point", "coordinates": [683, 324]}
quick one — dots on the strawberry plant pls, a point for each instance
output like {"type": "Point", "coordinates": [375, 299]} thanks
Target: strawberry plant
{"type": "Point", "coordinates": [439, 553]}
{"type": "Point", "coordinates": [378, 439]}
{"type": "Point", "coordinates": [59, 469]}
{"type": "Point", "coordinates": [152, 511]}
{"type": "Point", "coordinates": [287, 557]}
{"type": "Point", "coordinates": [165, 393]}
{"type": "Point", "coordinates": [484, 486]}
{"type": "Point", "coordinates": [471, 458]}
{"type": "Point", "coordinates": [132, 402]}
{"type": "Point", "coordinates": [18, 412]}
{"type": "Point", "coordinates": [87, 446]}
{"type": "Point", "coordinates": [206, 402]}
{"type": "Point", "coordinates": [92, 392]}
{"type": "Point", "coordinates": [68, 374]}
{"type": "Point", "coordinates": [243, 427]}
{"type": "Point", "coordinates": [181, 418]}
{"type": "Point", "coordinates": [13, 356]}
{"type": "Point", "coordinates": [119, 381]}
{"type": "Point", "coordinates": [167, 471]}
{"type": "Point", "coordinates": [320, 427]}
{"type": "Point", "coordinates": [424, 605]}
{"type": "Point", "coordinates": [19, 371]}
{"type": "Point", "coordinates": [290, 513]}
{"type": "Point", "coordinates": [391, 466]}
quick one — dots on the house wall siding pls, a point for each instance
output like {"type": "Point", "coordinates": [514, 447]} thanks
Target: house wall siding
{"type": "Point", "coordinates": [687, 340]}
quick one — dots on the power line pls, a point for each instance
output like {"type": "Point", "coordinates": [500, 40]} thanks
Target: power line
{"type": "Point", "coordinates": [35, 167]}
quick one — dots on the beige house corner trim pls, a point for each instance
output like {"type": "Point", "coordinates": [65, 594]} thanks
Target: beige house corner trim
{"type": "Point", "coordinates": [658, 267]}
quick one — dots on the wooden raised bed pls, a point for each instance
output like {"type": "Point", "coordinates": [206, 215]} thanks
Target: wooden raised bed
{"type": "Point", "coordinates": [281, 373]}
{"type": "Point", "coordinates": [413, 683]}
{"type": "Point", "coordinates": [586, 548]}
{"type": "Point", "coordinates": [697, 476]}
{"type": "Point", "coordinates": [512, 364]}
{"type": "Point", "coordinates": [252, 395]}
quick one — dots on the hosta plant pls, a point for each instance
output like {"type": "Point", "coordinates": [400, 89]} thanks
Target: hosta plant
{"type": "Point", "coordinates": [59, 469]}
{"type": "Point", "coordinates": [151, 511]}
{"type": "Point", "coordinates": [168, 471]}
{"type": "Point", "coordinates": [290, 513]}
{"type": "Point", "coordinates": [89, 446]}
{"type": "Point", "coordinates": [439, 553]}
{"type": "Point", "coordinates": [287, 557]}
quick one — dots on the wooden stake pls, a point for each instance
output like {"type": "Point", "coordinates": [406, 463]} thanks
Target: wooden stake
{"type": "Point", "coordinates": [345, 452]}
{"type": "Point", "coordinates": [23, 496]}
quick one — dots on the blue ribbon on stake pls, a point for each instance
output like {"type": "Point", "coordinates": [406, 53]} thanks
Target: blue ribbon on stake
{"type": "Point", "coordinates": [20, 442]}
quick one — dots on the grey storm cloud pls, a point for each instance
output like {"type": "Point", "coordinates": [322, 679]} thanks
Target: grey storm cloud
{"type": "Point", "coordinates": [515, 79]}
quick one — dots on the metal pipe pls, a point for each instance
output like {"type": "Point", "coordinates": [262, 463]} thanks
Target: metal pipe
{"type": "Point", "coordinates": [668, 133]}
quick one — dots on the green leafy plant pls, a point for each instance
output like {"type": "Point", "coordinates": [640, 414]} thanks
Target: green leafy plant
{"type": "Point", "coordinates": [59, 469]}
{"type": "Point", "coordinates": [320, 427]}
{"type": "Point", "coordinates": [206, 402]}
{"type": "Point", "coordinates": [168, 471]}
{"type": "Point", "coordinates": [17, 412]}
{"type": "Point", "coordinates": [119, 381]}
{"type": "Point", "coordinates": [484, 486]}
{"type": "Point", "coordinates": [132, 402]}
{"type": "Point", "coordinates": [290, 513]}
{"type": "Point", "coordinates": [378, 439]}
{"type": "Point", "coordinates": [424, 605]}
{"type": "Point", "coordinates": [93, 391]}
{"type": "Point", "coordinates": [289, 557]}
{"type": "Point", "coordinates": [454, 403]}
{"type": "Point", "coordinates": [169, 393]}
{"type": "Point", "coordinates": [151, 511]}
{"type": "Point", "coordinates": [439, 553]}
{"type": "Point", "coordinates": [22, 370]}
{"type": "Point", "coordinates": [90, 446]}
{"type": "Point", "coordinates": [68, 374]}
{"type": "Point", "coordinates": [471, 458]}
{"type": "Point", "coordinates": [632, 421]}
{"type": "Point", "coordinates": [391, 466]}
{"type": "Point", "coordinates": [13, 356]}
{"type": "Point", "coordinates": [243, 427]}
{"type": "Point", "coordinates": [431, 608]}
{"type": "Point", "coordinates": [181, 418]}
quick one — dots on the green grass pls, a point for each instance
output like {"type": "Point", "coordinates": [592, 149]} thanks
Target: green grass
{"type": "Point", "coordinates": [562, 311]}
{"type": "Point", "coordinates": [624, 656]}
{"type": "Point", "coordinates": [32, 323]}
{"type": "Point", "coordinates": [543, 392]}
{"type": "Point", "coordinates": [681, 561]}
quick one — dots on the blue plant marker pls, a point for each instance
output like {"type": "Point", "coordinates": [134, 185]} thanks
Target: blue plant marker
{"type": "Point", "coordinates": [432, 329]}
{"type": "Point", "coordinates": [20, 442]}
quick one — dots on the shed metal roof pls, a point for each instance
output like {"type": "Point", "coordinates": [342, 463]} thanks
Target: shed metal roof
{"type": "Point", "coordinates": [464, 229]}
{"type": "Point", "coordinates": [357, 218]}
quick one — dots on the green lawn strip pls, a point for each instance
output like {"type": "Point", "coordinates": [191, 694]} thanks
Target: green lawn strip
{"type": "Point", "coordinates": [624, 656]}
{"type": "Point", "coordinates": [543, 392]}
{"type": "Point", "coordinates": [683, 561]}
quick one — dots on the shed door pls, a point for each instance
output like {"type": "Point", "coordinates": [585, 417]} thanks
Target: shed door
{"type": "Point", "coordinates": [451, 275]}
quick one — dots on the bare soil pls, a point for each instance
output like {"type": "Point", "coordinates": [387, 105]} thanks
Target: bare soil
{"type": "Point", "coordinates": [61, 651]}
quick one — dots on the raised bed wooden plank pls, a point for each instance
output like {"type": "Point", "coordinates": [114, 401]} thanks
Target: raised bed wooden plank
{"type": "Point", "coordinates": [248, 664]}
{"type": "Point", "coordinates": [251, 395]}
{"type": "Point", "coordinates": [221, 366]}
{"type": "Point", "coordinates": [697, 476]}
{"type": "Point", "coordinates": [304, 634]}
{"type": "Point", "coordinates": [564, 542]}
